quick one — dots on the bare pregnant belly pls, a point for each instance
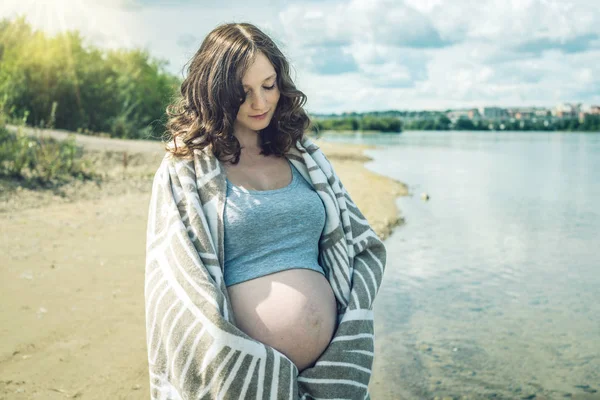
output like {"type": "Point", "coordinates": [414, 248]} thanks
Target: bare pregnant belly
{"type": "Point", "coordinates": [293, 311]}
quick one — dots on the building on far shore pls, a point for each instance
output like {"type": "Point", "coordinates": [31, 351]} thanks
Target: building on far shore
{"type": "Point", "coordinates": [567, 110]}
{"type": "Point", "coordinates": [542, 112]}
{"type": "Point", "coordinates": [455, 115]}
{"type": "Point", "coordinates": [493, 113]}
{"type": "Point", "coordinates": [591, 110]}
{"type": "Point", "coordinates": [524, 113]}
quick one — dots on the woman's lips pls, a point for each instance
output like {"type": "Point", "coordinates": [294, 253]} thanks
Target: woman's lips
{"type": "Point", "coordinates": [262, 116]}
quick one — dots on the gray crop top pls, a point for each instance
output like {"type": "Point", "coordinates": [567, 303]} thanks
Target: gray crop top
{"type": "Point", "coordinates": [268, 231]}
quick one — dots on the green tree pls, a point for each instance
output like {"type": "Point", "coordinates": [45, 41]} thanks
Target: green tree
{"type": "Point", "coordinates": [123, 92]}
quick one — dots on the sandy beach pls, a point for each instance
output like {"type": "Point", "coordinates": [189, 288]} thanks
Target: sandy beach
{"type": "Point", "coordinates": [72, 302]}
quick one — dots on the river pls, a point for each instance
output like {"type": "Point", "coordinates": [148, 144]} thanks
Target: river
{"type": "Point", "coordinates": [492, 286]}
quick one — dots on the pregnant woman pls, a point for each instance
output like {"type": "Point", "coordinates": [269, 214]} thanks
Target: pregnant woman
{"type": "Point", "coordinates": [260, 271]}
{"type": "Point", "coordinates": [273, 221]}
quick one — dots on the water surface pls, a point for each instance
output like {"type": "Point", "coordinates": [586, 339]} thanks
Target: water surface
{"type": "Point", "coordinates": [492, 287]}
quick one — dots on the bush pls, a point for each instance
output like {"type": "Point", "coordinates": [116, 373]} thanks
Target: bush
{"type": "Point", "coordinates": [43, 160]}
{"type": "Point", "coordinates": [122, 92]}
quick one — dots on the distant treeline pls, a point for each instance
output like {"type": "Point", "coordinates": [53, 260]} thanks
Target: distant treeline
{"type": "Point", "coordinates": [440, 122]}
{"type": "Point", "coordinates": [424, 114]}
{"type": "Point", "coordinates": [590, 123]}
{"type": "Point", "coordinates": [120, 92]}
{"type": "Point", "coordinates": [364, 123]}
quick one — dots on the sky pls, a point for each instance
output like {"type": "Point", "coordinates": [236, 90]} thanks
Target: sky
{"type": "Point", "coordinates": [369, 55]}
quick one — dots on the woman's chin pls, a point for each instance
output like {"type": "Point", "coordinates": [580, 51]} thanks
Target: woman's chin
{"type": "Point", "coordinates": [259, 125]}
{"type": "Point", "coordinates": [256, 125]}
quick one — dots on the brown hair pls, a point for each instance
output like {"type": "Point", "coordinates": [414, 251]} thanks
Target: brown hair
{"type": "Point", "coordinates": [212, 93]}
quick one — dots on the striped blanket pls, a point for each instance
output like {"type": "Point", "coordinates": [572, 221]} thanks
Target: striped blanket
{"type": "Point", "coordinates": [195, 350]}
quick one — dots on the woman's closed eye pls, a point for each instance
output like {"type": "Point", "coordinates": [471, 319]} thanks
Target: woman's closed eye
{"type": "Point", "coordinates": [265, 87]}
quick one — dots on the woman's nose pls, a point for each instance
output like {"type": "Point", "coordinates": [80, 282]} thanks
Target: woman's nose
{"type": "Point", "coordinates": [258, 101]}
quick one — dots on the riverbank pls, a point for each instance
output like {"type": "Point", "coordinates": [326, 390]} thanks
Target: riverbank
{"type": "Point", "coordinates": [73, 270]}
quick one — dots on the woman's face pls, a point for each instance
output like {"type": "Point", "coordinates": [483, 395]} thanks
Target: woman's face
{"type": "Point", "coordinates": [262, 95]}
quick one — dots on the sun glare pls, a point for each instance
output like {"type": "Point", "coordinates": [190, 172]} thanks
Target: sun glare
{"type": "Point", "coordinates": [51, 16]}
{"type": "Point", "coordinates": [103, 23]}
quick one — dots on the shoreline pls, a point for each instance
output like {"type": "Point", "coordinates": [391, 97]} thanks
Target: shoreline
{"type": "Point", "coordinates": [73, 277]}
{"type": "Point", "coordinates": [377, 199]}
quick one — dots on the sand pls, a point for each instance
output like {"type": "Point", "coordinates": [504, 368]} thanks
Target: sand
{"type": "Point", "coordinates": [71, 283]}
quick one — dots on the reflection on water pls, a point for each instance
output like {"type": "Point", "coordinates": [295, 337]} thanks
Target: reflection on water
{"type": "Point", "coordinates": [492, 288]}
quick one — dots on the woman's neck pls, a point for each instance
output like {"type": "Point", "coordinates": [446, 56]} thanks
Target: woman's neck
{"type": "Point", "coordinates": [249, 139]}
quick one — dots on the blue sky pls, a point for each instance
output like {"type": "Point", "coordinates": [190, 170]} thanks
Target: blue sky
{"type": "Point", "coordinates": [364, 55]}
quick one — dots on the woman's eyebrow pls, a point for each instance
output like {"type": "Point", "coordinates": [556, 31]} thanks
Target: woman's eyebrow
{"type": "Point", "coordinates": [266, 79]}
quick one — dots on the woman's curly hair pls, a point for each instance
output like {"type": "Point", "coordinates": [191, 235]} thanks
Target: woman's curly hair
{"type": "Point", "coordinates": [211, 95]}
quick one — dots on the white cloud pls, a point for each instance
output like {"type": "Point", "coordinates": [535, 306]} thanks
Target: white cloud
{"type": "Point", "coordinates": [502, 52]}
{"type": "Point", "coordinates": [513, 22]}
{"type": "Point", "coordinates": [358, 21]}
{"type": "Point", "coordinates": [316, 25]}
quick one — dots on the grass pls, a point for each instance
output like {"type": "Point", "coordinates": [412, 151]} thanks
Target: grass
{"type": "Point", "coordinates": [36, 160]}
